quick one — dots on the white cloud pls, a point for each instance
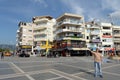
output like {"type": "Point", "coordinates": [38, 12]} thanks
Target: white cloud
{"type": "Point", "coordinates": [73, 6]}
{"type": "Point", "coordinates": [94, 9]}
{"type": "Point", "coordinates": [91, 10]}
{"type": "Point", "coordinates": [113, 4]}
{"type": "Point", "coordinates": [116, 14]}
{"type": "Point", "coordinates": [41, 2]}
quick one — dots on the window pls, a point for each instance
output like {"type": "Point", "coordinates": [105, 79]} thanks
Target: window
{"type": "Point", "coordinates": [106, 34]}
{"type": "Point", "coordinates": [106, 45]}
{"type": "Point", "coordinates": [107, 40]}
{"type": "Point", "coordinates": [30, 30]}
{"type": "Point", "coordinates": [104, 40]}
{"type": "Point", "coordinates": [106, 27]}
{"type": "Point", "coordinates": [63, 27]}
{"type": "Point", "coordinates": [87, 37]}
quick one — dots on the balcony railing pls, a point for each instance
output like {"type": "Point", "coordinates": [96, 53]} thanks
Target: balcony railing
{"type": "Point", "coordinates": [40, 20]}
{"type": "Point", "coordinates": [116, 34]}
{"type": "Point", "coordinates": [40, 39]}
{"type": "Point", "coordinates": [95, 40]}
{"type": "Point", "coordinates": [35, 33]}
{"type": "Point", "coordinates": [70, 46]}
{"type": "Point", "coordinates": [69, 30]}
{"type": "Point", "coordinates": [68, 22]}
{"type": "Point", "coordinates": [94, 33]}
{"type": "Point", "coordinates": [71, 37]}
{"type": "Point", "coordinates": [116, 39]}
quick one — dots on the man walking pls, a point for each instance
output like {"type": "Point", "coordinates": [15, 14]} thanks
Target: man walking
{"type": "Point", "coordinates": [97, 63]}
{"type": "Point", "coordinates": [2, 55]}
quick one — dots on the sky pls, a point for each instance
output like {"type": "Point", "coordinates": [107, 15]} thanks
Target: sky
{"type": "Point", "coordinates": [14, 11]}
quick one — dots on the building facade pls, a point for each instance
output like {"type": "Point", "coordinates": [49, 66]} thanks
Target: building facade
{"type": "Point", "coordinates": [93, 35]}
{"type": "Point", "coordinates": [107, 36]}
{"type": "Point", "coordinates": [67, 35]}
{"type": "Point", "coordinates": [69, 38]}
{"type": "Point", "coordinates": [25, 37]}
{"type": "Point", "coordinates": [116, 37]}
{"type": "Point", "coordinates": [43, 32]}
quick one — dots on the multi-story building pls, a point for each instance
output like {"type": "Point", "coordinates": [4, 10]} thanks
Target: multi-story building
{"type": "Point", "coordinates": [69, 36]}
{"type": "Point", "coordinates": [25, 37]}
{"type": "Point", "coordinates": [92, 33]}
{"type": "Point", "coordinates": [107, 36]}
{"type": "Point", "coordinates": [43, 32]}
{"type": "Point", "coordinates": [116, 37]}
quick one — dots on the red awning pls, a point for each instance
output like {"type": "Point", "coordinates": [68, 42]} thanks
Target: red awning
{"type": "Point", "coordinates": [108, 49]}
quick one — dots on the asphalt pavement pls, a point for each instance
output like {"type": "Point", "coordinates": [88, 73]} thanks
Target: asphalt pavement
{"type": "Point", "coordinates": [62, 68]}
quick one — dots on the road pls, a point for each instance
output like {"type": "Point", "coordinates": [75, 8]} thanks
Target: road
{"type": "Point", "coordinates": [63, 68]}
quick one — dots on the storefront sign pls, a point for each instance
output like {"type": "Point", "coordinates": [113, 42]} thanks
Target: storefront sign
{"type": "Point", "coordinates": [107, 49]}
{"type": "Point", "coordinates": [106, 36]}
{"type": "Point", "coordinates": [25, 46]}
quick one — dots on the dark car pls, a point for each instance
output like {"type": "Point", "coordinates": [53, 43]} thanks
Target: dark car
{"type": "Point", "coordinates": [23, 54]}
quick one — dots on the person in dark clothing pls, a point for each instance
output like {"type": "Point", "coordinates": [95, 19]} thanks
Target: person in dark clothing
{"type": "Point", "coordinates": [2, 55]}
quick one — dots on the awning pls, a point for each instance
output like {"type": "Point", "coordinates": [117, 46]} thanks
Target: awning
{"type": "Point", "coordinates": [38, 48]}
{"type": "Point", "coordinates": [77, 48]}
{"type": "Point", "coordinates": [108, 49]}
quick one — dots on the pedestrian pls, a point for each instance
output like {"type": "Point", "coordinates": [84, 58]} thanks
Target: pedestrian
{"type": "Point", "coordinates": [97, 63]}
{"type": "Point", "coordinates": [2, 55]}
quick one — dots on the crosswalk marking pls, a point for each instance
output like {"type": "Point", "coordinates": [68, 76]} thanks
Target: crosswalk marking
{"type": "Point", "coordinates": [28, 76]}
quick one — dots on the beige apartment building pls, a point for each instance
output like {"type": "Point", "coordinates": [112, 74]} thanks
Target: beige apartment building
{"type": "Point", "coordinates": [116, 37]}
{"type": "Point", "coordinates": [69, 38]}
{"type": "Point", "coordinates": [93, 35]}
{"type": "Point", "coordinates": [107, 37]}
{"type": "Point", "coordinates": [25, 37]}
{"type": "Point", "coordinates": [43, 33]}
{"type": "Point", "coordinates": [67, 35]}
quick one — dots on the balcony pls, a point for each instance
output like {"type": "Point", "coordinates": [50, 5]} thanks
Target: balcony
{"type": "Point", "coordinates": [68, 22]}
{"type": "Point", "coordinates": [94, 33]}
{"type": "Point", "coordinates": [69, 30]}
{"type": "Point", "coordinates": [70, 46]}
{"type": "Point", "coordinates": [42, 32]}
{"type": "Point", "coordinates": [40, 39]}
{"type": "Point", "coordinates": [116, 39]}
{"type": "Point", "coordinates": [40, 20]}
{"type": "Point", "coordinates": [93, 27]}
{"type": "Point", "coordinates": [95, 40]}
{"type": "Point", "coordinates": [40, 27]}
{"type": "Point", "coordinates": [70, 38]}
{"type": "Point", "coordinates": [116, 35]}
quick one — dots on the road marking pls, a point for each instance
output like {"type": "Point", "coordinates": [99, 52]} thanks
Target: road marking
{"type": "Point", "coordinates": [102, 69]}
{"type": "Point", "coordinates": [23, 74]}
{"type": "Point", "coordinates": [111, 73]}
{"type": "Point", "coordinates": [54, 78]}
{"type": "Point", "coordinates": [111, 66]}
{"type": "Point", "coordinates": [73, 66]}
{"type": "Point", "coordinates": [65, 75]}
{"type": "Point", "coordinates": [28, 76]}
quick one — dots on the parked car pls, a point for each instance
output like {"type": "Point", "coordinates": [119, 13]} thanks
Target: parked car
{"type": "Point", "coordinates": [23, 54]}
{"type": "Point", "coordinates": [7, 54]}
